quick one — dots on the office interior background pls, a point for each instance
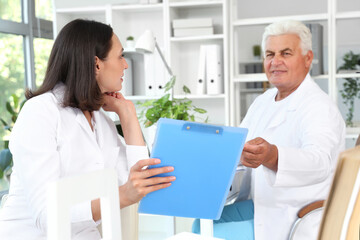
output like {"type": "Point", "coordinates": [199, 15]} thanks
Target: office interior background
{"type": "Point", "coordinates": [235, 27]}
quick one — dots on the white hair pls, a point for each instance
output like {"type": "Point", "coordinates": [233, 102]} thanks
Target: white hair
{"type": "Point", "coordinates": [289, 27]}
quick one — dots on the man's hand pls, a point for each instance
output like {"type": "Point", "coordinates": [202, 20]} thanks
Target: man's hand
{"type": "Point", "coordinates": [258, 152]}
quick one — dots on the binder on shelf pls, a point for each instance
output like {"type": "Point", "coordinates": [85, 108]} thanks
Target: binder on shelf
{"type": "Point", "coordinates": [127, 84]}
{"type": "Point", "coordinates": [317, 67]}
{"type": "Point", "coordinates": [149, 65]}
{"type": "Point", "coordinates": [159, 74]}
{"type": "Point", "coordinates": [214, 77]}
{"type": "Point", "coordinates": [201, 80]}
{"type": "Point", "coordinates": [205, 158]}
{"type": "Point", "coordinates": [192, 22]}
{"type": "Point", "coordinates": [198, 31]}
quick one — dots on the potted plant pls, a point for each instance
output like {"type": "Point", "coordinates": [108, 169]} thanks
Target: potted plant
{"type": "Point", "coordinates": [257, 52]}
{"type": "Point", "coordinates": [130, 43]}
{"type": "Point", "coordinates": [13, 107]}
{"type": "Point", "coordinates": [351, 86]}
{"type": "Point", "coordinates": [169, 107]}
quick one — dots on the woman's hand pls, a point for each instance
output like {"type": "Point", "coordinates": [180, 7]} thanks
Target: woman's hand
{"type": "Point", "coordinates": [115, 102]}
{"type": "Point", "coordinates": [141, 181]}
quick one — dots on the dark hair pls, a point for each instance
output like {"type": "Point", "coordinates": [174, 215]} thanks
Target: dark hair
{"type": "Point", "coordinates": [72, 61]}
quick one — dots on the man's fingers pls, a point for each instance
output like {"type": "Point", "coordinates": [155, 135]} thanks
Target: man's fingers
{"type": "Point", "coordinates": [256, 141]}
{"type": "Point", "coordinates": [255, 149]}
{"type": "Point", "coordinates": [249, 156]}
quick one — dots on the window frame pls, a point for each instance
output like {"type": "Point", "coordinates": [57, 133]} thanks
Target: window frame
{"type": "Point", "coordinates": [31, 27]}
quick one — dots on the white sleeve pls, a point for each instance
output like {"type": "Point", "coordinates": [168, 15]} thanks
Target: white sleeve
{"type": "Point", "coordinates": [322, 139]}
{"type": "Point", "coordinates": [128, 156]}
{"type": "Point", "coordinates": [36, 158]}
{"type": "Point", "coordinates": [36, 161]}
{"type": "Point", "coordinates": [135, 153]}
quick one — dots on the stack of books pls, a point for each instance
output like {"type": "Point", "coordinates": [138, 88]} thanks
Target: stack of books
{"type": "Point", "coordinates": [193, 27]}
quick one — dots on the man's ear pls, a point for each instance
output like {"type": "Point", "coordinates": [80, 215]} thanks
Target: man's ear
{"type": "Point", "coordinates": [308, 58]}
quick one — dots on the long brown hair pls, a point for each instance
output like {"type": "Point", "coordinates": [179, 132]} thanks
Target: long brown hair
{"type": "Point", "coordinates": [72, 62]}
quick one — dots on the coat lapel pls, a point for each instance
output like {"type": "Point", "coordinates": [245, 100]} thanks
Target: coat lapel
{"type": "Point", "coordinates": [296, 97]}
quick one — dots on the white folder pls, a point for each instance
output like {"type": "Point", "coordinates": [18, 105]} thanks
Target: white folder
{"type": "Point", "coordinates": [127, 85]}
{"type": "Point", "coordinates": [149, 74]}
{"type": "Point", "coordinates": [214, 76]}
{"type": "Point", "coordinates": [159, 74]}
{"type": "Point", "coordinates": [201, 80]}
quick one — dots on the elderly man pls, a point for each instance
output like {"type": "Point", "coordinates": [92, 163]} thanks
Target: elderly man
{"type": "Point", "coordinates": [295, 135]}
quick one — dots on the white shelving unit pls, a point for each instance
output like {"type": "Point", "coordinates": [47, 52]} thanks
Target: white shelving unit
{"type": "Point", "coordinates": [184, 52]}
{"type": "Point", "coordinates": [338, 38]}
{"type": "Point", "coordinates": [181, 52]}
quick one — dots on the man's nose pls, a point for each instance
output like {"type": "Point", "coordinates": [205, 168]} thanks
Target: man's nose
{"type": "Point", "coordinates": [277, 60]}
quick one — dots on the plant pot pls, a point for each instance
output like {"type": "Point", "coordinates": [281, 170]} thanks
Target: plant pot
{"type": "Point", "coordinates": [130, 43]}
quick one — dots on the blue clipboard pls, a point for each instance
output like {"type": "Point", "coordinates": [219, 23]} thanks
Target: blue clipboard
{"type": "Point", "coordinates": [205, 158]}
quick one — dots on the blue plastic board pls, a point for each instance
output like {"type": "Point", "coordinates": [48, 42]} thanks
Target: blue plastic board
{"type": "Point", "coordinates": [205, 158]}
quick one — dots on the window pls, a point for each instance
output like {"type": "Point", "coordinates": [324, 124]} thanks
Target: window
{"type": "Point", "coordinates": [26, 38]}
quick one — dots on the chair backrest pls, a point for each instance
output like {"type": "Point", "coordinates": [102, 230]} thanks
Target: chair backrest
{"type": "Point", "coordinates": [357, 141]}
{"type": "Point", "coordinates": [341, 218]}
{"type": "Point", "coordinates": [73, 190]}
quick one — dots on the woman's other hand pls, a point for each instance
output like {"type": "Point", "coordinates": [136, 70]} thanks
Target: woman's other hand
{"type": "Point", "coordinates": [141, 181]}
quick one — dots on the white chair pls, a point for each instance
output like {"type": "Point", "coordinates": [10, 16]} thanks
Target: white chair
{"type": "Point", "coordinates": [340, 218]}
{"type": "Point", "coordinates": [73, 190]}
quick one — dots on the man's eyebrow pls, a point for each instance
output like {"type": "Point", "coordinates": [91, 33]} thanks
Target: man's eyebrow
{"type": "Point", "coordinates": [286, 49]}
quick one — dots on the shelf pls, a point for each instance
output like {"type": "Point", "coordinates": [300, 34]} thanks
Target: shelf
{"type": "Point", "coordinates": [325, 76]}
{"type": "Point", "coordinates": [197, 38]}
{"type": "Point", "coordinates": [352, 132]}
{"type": "Point", "coordinates": [348, 15]}
{"type": "Point", "coordinates": [269, 20]}
{"type": "Point", "coordinates": [252, 90]}
{"type": "Point", "coordinates": [91, 9]}
{"type": "Point", "coordinates": [254, 77]}
{"type": "Point", "coordinates": [195, 4]}
{"type": "Point", "coordinates": [139, 7]}
{"type": "Point", "coordinates": [348, 75]}
{"type": "Point", "coordinates": [189, 96]}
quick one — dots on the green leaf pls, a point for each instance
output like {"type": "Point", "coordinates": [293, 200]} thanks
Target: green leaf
{"type": "Point", "coordinates": [15, 100]}
{"type": "Point", "coordinates": [200, 110]}
{"type": "Point", "coordinates": [164, 99]}
{"type": "Point", "coordinates": [5, 159]}
{"type": "Point", "coordinates": [147, 103]}
{"type": "Point", "coordinates": [186, 89]}
{"type": "Point", "coordinates": [170, 84]}
{"type": "Point", "coordinates": [3, 122]}
{"type": "Point", "coordinates": [9, 108]}
{"type": "Point", "coordinates": [22, 104]}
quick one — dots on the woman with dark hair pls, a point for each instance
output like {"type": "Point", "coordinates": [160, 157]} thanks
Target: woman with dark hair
{"type": "Point", "coordinates": [61, 132]}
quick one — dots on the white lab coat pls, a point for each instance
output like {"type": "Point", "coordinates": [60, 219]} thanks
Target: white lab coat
{"type": "Point", "coordinates": [309, 133]}
{"type": "Point", "coordinates": [50, 142]}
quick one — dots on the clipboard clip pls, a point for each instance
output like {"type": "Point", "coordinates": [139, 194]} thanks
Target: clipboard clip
{"type": "Point", "coordinates": [203, 128]}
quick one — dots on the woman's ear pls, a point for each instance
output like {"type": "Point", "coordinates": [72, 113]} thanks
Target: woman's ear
{"type": "Point", "coordinates": [97, 64]}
